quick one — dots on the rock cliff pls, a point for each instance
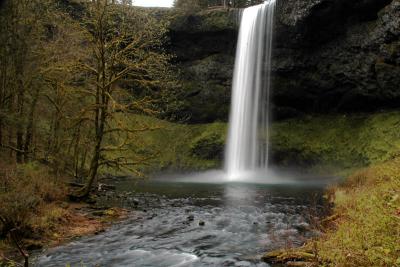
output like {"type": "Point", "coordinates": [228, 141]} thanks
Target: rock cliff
{"type": "Point", "coordinates": [204, 44]}
{"type": "Point", "coordinates": [337, 55]}
{"type": "Point", "coordinates": [330, 56]}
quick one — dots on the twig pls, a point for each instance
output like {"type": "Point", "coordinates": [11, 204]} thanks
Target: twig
{"type": "Point", "coordinates": [13, 148]}
{"type": "Point", "coordinates": [20, 249]}
{"type": "Point", "coordinates": [15, 240]}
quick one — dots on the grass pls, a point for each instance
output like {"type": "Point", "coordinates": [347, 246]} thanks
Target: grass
{"type": "Point", "coordinates": [367, 229]}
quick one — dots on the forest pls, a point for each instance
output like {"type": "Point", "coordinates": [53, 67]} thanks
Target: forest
{"type": "Point", "coordinates": [211, 133]}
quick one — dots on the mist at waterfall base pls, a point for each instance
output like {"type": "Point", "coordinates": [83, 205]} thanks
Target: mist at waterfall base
{"type": "Point", "coordinates": [247, 146]}
{"type": "Point", "coordinates": [274, 177]}
{"type": "Point", "coordinates": [246, 158]}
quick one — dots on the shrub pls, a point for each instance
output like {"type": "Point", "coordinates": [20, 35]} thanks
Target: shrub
{"type": "Point", "coordinates": [24, 192]}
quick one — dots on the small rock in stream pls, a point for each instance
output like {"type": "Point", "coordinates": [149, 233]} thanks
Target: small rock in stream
{"type": "Point", "coordinates": [98, 213]}
{"type": "Point", "coordinates": [190, 218]}
{"type": "Point", "coordinates": [99, 231]}
{"type": "Point", "coordinates": [202, 223]}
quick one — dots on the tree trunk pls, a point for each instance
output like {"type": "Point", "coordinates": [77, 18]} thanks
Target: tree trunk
{"type": "Point", "coordinates": [2, 101]}
{"type": "Point", "coordinates": [29, 128]}
{"type": "Point", "coordinates": [20, 133]}
{"type": "Point", "coordinates": [1, 133]}
{"type": "Point", "coordinates": [10, 136]}
{"type": "Point", "coordinates": [100, 121]}
{"type": "Point", "coordinates": [94, 164]}
{"type": "Point", "coordinates": [76, 152]}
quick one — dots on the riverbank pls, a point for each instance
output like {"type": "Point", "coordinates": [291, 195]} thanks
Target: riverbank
{"type": "Point", "coordinates": [36, 213]}
{"type": "Point", "coordinates": [364, 229]}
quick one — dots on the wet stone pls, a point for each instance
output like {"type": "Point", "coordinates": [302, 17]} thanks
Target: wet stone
{"type": "Point", "coordinates": [210, 230]}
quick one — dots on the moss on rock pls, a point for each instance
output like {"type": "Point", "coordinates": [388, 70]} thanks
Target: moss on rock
{"type": "Point", "coordinates": [210, 20]}
{"type": "Point", "coordinates": [338, 141]}
{"type": "Point", "coordinates": [324, 143]}
{"type": "Point", "coordinates": [208, 146]}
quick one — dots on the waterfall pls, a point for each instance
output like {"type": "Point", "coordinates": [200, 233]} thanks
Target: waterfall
{"type": "Point", "coordinates": [248, 136]}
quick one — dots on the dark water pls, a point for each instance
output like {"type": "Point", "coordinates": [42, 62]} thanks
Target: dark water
{"type": "Point", "coordinates": [241, 222]}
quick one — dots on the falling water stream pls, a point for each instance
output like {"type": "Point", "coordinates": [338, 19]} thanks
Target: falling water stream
{"type": "Point", "coordinates": [247, 147]}
{"type": "Point", "coordinates": [182, 222]}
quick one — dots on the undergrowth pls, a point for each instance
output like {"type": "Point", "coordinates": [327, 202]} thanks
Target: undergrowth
{"type": "Point", "coordinates": [28, 213]}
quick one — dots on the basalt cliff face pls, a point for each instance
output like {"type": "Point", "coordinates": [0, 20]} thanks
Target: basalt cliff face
{"type": "Point", "coordinates": [329, 56]}
{"type": "Point", "coordinates": [337, 55]}
{"type": "Point", "coordinates": [204, 44]}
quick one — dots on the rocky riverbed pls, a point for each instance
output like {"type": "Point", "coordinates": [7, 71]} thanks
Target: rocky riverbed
{"type": "Point", "coordinates": [186, 224]}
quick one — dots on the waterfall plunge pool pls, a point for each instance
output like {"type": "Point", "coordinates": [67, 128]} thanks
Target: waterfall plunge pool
{"type": "Point", "coordinates": [197, 224]}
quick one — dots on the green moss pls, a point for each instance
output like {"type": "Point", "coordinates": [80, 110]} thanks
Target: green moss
{"type": "Point", "coordinates": [169, 146]}
{"type": "Point", "coordinates": [330, 143]}
{"type": "Point", "coordinates": [340, 141]}
{"type": "Point", "coordinates": [208, 146]}
{"type": "Point", "coordinates": [205, 21]}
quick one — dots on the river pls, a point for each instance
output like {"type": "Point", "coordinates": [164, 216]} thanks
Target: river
{"type": "Point", "coordinates": [198, 224]}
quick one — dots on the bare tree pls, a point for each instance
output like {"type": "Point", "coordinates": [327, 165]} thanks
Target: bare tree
{"type": "Point", "coordinates": [125, 45]}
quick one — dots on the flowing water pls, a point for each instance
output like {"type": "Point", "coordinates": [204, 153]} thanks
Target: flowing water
{"type": "Point", "coordinates": [241, 221]}
{"type": "Point", "coordinates": [247, 146]}
{"type": "Point", "coordinates": [187, 223]}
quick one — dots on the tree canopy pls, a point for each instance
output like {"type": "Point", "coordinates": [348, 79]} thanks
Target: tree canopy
{"type": "Point", "coordinates": [69, 71]}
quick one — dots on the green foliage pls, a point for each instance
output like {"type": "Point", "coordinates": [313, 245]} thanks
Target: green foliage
{"type": "Point", "coordinates": [58, 102]}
